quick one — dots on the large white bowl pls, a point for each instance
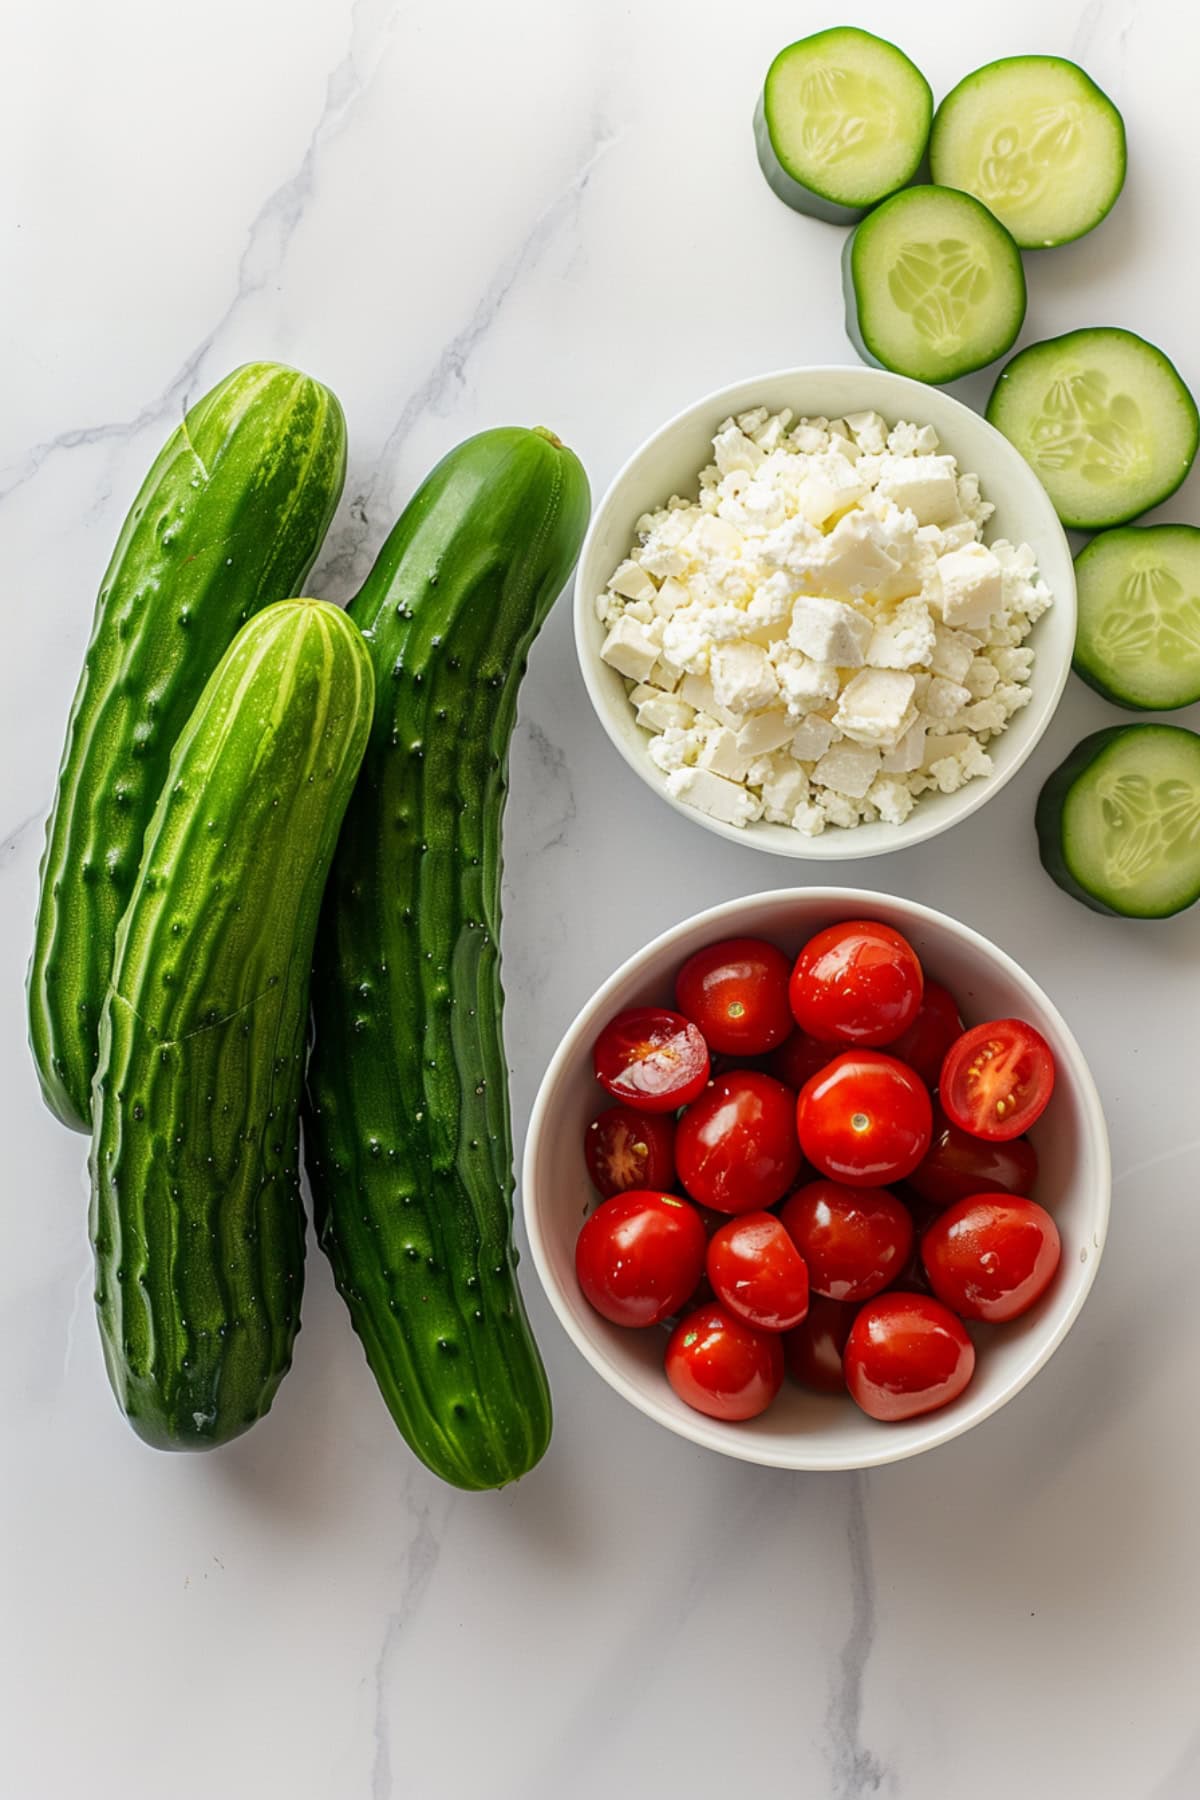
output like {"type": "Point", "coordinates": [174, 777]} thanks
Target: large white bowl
{"type": "Point", "coordinates": [803, 1430]}
{"type": "Point", "coordinates": [669, 462]}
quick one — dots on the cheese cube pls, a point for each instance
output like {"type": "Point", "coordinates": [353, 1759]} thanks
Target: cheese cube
{"type": "Point", "coordinates": [803, 682]}
{"type": "Point", "coordinates": [629, 649]}
{"type": "Point", "coordinates": [732, 449]}
{"type": "Point", "coordinates": [712, 794]}
{"type": "Point", "coordinates": [937, 749]}
{"type": "Point", "coordinates": [858, 556]}
{"type": "Point", "coordinates": [876, 707]}
{"type": "Point", "coordinates": [848, 768]}
{"type": "Point", "coordinates": [714, 537]}
{"type": "Point", "coordinates": [829, 631]}
{"type": "Point", "coordinates": [632, 582]}
{"type": "Point", "coordinates": [764, 732]}
{"type": "Point", "coordinates": [893, 800]}
{"type": "Point", "coordinates": [772, 601]}
{"type": "Point", "coordinates": [665, 675]}
{"type": "Point", "coordinates": [670, 597]}
{"type": "Point", "coordinates": [953, 653]}
{"type": "Point", "coordinates": [722, 755]}
{"type": "Point", "coordinates": [783, 791]}
{"type": "Point", "coordinates": [697, 691]}
{"type": "Point", "coordinates": [742, 677]}
{"type": "Point", "coordinates": [656, 710]}
{"type": "Point", "coordinates": [905, 641]}
{"type": "Point", "coordinates": [924, 485]}
{"type": "Point", "coordinates": [972, 584]}
{"type": "Point", "coordinates": [813, 738]}
{"type": "Point", "coordinates": [830, 485]}
{"type": "Point", "coordinates": [909, 752]}
{"type": "Point", "coordinates": [870, 432]}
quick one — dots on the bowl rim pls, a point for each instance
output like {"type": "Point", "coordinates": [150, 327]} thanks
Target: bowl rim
{"type": "Point", "coordinates": [714, 1434]}
{"type": "Point", "coordinates": [841, 845]}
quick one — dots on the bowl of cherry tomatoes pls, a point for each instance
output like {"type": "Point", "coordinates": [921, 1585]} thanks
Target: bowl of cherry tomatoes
{"type": "Point", "coordinates": [818, 1179]}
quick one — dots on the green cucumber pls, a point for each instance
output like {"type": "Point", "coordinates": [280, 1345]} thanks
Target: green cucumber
{"type": "Point", "coordinates": [1037, 141]}
{"type": "Point", "coordinates": [407, 1135]}
{"type": "Point", "coordinates": [1118, 822]}
{"type": "Point", "coordinates": [934, 285]}
{"type": "Point", "coordinates": [1138, 637]}
{"type": "Point", "coordinates": [196, 1218]}
{"type": "Point", "coordinates": [842, 122]}
{"type": "Point", "coordinates": [1104, 420]}
{"type": "Point", "coordinates": [230, 517]}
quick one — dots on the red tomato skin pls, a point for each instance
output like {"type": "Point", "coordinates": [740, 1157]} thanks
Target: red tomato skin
{"type": "Point", "coordinates": [856, 983]}
{"type": "Point", "coordinates": [906, 1355]}
{"type": "Point", "coordinates": [639, 1256]}
{"type": "Point", "coordinates": [736, 992]}
{"type": "Point", "coordinates": [624, 1149]}
{"type": "Point", "coordinates": [957, 1165]}
{"type": "Point", "coordinates": [925, 1043]}
{"type": "Point", "coordinates": [651, 1079]}
{"type": "Point", "coordinates": [755, 1270]}
{"type": "Point", "coordinates": [976, 1077]}
{"type": "Point", "coordinates": [814, 1349]}
{"type": "Point", "coordinates": [799, 1058]}
{"type": "Point", "coordinates": [991, 1256]}
{"type": "Point", "coordinates": [854, 1240]}
{"type": "Point", "coordinates": [736, 1147]}
{"type": "Point", "coordinates": [721, 1366]}
{"type": "Point", "coordinates": [888, 1095]}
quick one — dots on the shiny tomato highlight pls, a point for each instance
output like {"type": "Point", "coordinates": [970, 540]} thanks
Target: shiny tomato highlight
{"type": "Point", "coordinates": [865, 1119]}
{"type": "Point", "coordinates": [854, 1240]}
{"type": "Point", "coordinates": [991, 1256]}
{"type": "Point", "coordinates": [737, 993]}
{"type": "Point", "coordinates": [639, 1256]}
{"type": "Point", "coordinates": [651, 1058]}
{"type": "Point", "coordinates": [856, 983]}
{"type": "Point", "coordinates": [755, 1270]}
{"type": "Point", "coordinates": [736, 1147]}
{"type": "Point", "coordinates": [906, 1355]}
{"type": "Point", "coordinates": [721, 1366]}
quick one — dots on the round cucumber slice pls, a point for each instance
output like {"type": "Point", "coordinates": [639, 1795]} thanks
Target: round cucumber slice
{"type": "Point", "coordinates": [1037, 141]}
{"type": "Point", "coordinates": [1104, 420]}
{"type": "Point", "coordinates": [842, 121]}
{"type": "Point", "coordinates": [1138, 638]}
{"type": "Point", "coordinates": [1119, 821]}
{"type": "Point", "coordinates": [934, 285]}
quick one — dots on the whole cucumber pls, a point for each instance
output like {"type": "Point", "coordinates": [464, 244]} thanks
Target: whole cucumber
{"type": "Point", "coordinates": [407, 1133]}
{"type": "Point", "coordinates": [196, 1217]}
{"type": "Point", "coordinates": [230, 517]}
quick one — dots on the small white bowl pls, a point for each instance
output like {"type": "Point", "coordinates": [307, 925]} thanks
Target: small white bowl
{"type": "Point", "coordinates": [805, 1430]}
{"type": "Point", "coordinates": [669, 462]}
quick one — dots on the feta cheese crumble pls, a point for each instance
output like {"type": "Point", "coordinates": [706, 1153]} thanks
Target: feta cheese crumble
{"type": "Point", "coordinates": [822, 635]}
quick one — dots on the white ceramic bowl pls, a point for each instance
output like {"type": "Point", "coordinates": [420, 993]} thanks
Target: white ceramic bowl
{"type": "Point", "coordinates": [669, 462]}
{"type": "Point", "coordinates": [804, 1430]}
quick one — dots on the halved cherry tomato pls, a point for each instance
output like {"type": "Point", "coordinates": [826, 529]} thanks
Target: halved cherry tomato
{"type": "Point", "coordinates": [735, 1147]}
{"type": "Point", "coordinates": [654, 1059]}
{"type": "Point", "coordinates": [737, 993]}
{"type": "Point", "coordinates": [906, 1355]}
{"type": "Point", "coordinates": [814, 1350]}
{"type": "Point", "coordinates": [758, 1273]}
{"type": "Point", "coordinates": [991, 1256]}
{"type": "Point", "coordinates": [924, 1045]}
{"type": "Point", "coordinates": [997, 1079]}
{"type": "Point", "coordinates": [639, 1256]}
{"type": "Point", "coordinates": [865, 1119]}
{"type": "Point", "coordinates": [626, 1149]}
{"type": "Point", "coordinates": [957, 1165]}
{"type": "Point", "coordinates": [723, 1367]}
{"type": "Point", "coordinates": [856, 983]}
{"type": "Point", "coordinates": [798, 1058]}
{"type": "Point", "coordinates": [854, 1240]}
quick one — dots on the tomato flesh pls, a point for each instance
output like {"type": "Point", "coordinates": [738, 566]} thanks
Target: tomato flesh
{"type": "Point", "coordinates": [856, 983]}
{"type": "Point", "coordinates": [651, 1058]}
{"type": "Point", "coordinates": [991, 1256]}
{"type": "Point", "coordinates": [814, 1350]}
{"type": "Point", "coordinates": [997, 1079]}
{"type": "Point", "coordinates": [958, 1165]}
{"type": "Point", "coordinates": [721, 1366]}
{"type": "Point", "coordinates": [736, 1147]}
{"type": "Point", "coordinates": [925, 1043]}
{"type": "Point", "coordinates": [626, 1149]}
{"type": "Point", "coordinates": [639, 1256]}
{"type": "Point", "coordinates": [757, 1272]}
{"type": "Point", "coordinates": [865, 1119]}
{"type": "Point", "coordinates": [854, 1240]}
{"type": "Point", "coordinates": [737, 993]}
{"type": "Point", "coordinates": [906, 1355]}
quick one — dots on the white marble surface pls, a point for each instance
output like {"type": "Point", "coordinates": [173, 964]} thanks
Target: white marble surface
{"type": "Point", "coordinates": [464, 215]}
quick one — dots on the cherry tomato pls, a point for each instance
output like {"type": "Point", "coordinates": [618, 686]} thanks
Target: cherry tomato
{"type": "Point", "coordinates": [736, 1147]}
{"type": "Point", "coordinates": [653, 1059]}
{"type": "Point", "coordinates": [758, 1273]}
{"type": "Point", "coordinates": [722, 1366]}
{"type": "Point", "coordinates": [629, 1149]}
{"type": "Point", "coordinates": [957, 1165]}
{"type": "Point", "coordinates": [997, 1079]}
{"type": "Point", "coordinates": [865, 1119]}
{"type": "Point", "coordinates": [906, 1355]}
{"type": "Point", "coordinates": [857, 983]}
{"type": "Point", "coordinates": [924, 1045]}
{"type": "Point", "coordinates": [854, 1240]}
{"type": "Point", "coordinates": [639, 1256]}
{"type": "Point", "coordinates": [991, 1256]}
{"type": "Point", "coordinates": [814, 1349]}
{"type": "Point", "coordinates": [798, 1058]}
{"type": "Point", "coordinates": [737, 993]}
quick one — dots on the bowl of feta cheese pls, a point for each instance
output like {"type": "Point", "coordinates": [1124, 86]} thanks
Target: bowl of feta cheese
{"type": "Point", "coordinates": [826, 611]}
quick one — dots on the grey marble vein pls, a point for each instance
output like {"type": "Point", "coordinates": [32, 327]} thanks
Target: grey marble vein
{"type": "Point", "coordinates": [550, 786]}
{"type": "Point", "coordinates": [11, 840]}
{"type": "Point", "coordinates": [416, 1572]}
{"type": "Point", "coordinates": [854, 1769]}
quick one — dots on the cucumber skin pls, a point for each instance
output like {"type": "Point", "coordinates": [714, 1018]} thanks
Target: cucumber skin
{"type": "Point", "coordinates": [1048, 821]}
{"type": "Point", "coordinates": [407, 1134]}
{"type": "Point", "coordinates": [196, 1219]}
{"type": "Point", "coordinates": [794, 193]}
{"type": "Point", "coordinates": [258, 462]}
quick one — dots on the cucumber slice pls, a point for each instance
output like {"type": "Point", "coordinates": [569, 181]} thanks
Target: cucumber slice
{"type": "Point", "coordinates": [1103, 418]}
{"type": "Point", "coordinates": [934, 285]}
{"type": "Point", "coordinates": [1037, 141]}
{"type": "Point", "coordinates": [1118, 822]}
{"type": "Point", "coordinates": [1138, 637]}
{"type": "Point", "coordinates": [842, 121]}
